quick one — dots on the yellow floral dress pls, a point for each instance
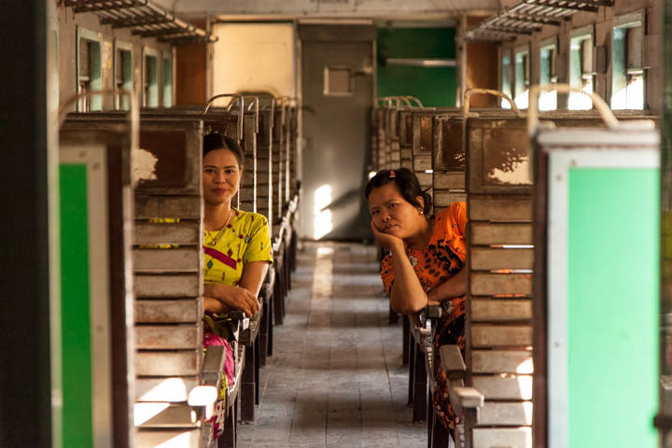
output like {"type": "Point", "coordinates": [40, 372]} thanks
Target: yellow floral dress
{"type": "Point", "coordinates": [226, 251]}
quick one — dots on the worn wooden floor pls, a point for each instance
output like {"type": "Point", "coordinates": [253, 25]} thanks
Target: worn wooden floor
{"type": "Point", "coordinates": [335, 379]}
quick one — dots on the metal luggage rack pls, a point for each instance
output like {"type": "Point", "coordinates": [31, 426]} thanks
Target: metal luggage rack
{"type": "Point", "coordinates": [144, 18]}
{"type": "Point", "coordinates": [529, 16]}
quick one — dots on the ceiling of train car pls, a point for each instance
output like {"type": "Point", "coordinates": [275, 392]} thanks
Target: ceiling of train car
{"type": "Point", "coordinates": [399, 9]}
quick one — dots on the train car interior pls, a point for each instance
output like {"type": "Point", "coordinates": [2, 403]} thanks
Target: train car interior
{"type": "Point", "coordinates": [336, 223]}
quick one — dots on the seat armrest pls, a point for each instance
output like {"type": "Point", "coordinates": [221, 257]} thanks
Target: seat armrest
{"type": "Point", "coordinates": [205, 394]}
{"type": "Point", "coordinates": [469, 398]}
{"type": "Point", "coordinates": [213, 365]}
{"type": "Point", "coordinates": [452, 361]}
{"type": "Point", "coordinates": [433, 312]}
{"type": "Point", "coordinates": [467, 403]}
{"type": "Point", "coordinates": [237, 315]}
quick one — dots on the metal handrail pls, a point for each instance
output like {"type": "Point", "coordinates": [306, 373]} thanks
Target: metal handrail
{"type": "Point", "coordinates": [241, 112]}
{"type": "Point", "coordinates": [134, 115]}
{"type": "Point", "coordinates": [470, 92]}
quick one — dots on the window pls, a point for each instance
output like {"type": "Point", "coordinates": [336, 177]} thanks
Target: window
{"type": "Point", "coordinates": [522, 86]}
{"type": "Point", "coordinates": [581, 73]}
{"type": "Point", "coordinates": [167, 80]}
{"type": "Point", "coordinates": [548, 100]}
{"type": "Point", "coordinates": [627, 74]}
{"type": "Point", "coordinates": [506, 79]}
{"type": "Point", "coordinates": [337, 81]}
{"type": "Point", "coordinates": [89, 69]}
{"type": "Point", "coordinates": [123, 73]}
{"type": "Point", "coordinates": [150, 81]}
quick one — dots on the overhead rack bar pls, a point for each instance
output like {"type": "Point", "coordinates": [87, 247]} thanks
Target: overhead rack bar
{"type": "Point", "coordinates": [529, 16]}
{"type": "Point", "coordinates": [143, 18]}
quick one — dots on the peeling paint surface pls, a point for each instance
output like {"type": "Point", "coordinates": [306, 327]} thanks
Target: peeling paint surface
{"type": "Point", "coordinates": [143, 165]}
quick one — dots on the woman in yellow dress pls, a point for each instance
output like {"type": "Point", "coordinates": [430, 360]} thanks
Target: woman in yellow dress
{"type": "Point", "coordinates": [236, 245]}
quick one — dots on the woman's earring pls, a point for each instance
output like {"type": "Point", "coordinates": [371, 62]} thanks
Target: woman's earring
{"type": "Point", "coordinates": [421, 213]}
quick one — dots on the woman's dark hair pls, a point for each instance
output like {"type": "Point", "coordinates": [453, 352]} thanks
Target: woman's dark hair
{"type": "Point", "coordinates": [407, 183]}
{"type": "Point", "coordinates": [216, 140]}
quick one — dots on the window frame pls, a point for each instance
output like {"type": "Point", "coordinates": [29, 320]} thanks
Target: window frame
{"type": "Point", "coordinates": [167, 56]}
{"type": "Point", "coordinates": [151, 52]}
{"type": "Point", "coordinates": [92, 103]}
{"type": "Point", "coordinates": [326, 91]}
{"type": "Point", "coordinates": [122, 103]}
{"type": "Point", "coordinates": [580, 35]}
{"type": "Point", "coordinates": [506, 73]}
{"type": "Point", "coordinates": [547, 44]}
{"type": "Point", "coordinates": [525, 52]}
{"type": "Point", "coordinates": [635, 19]}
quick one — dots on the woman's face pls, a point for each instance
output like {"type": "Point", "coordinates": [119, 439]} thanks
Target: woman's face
{"type": "Point", "coordinates": [392, 213]}
{"type": "Point", "coordinates": [221, 176]}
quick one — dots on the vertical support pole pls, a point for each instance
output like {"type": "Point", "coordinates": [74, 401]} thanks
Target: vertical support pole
{"type": "Point", "coordinates": [419, 386]}
{"type": "Point", "coordinates": [264, 330]}
{"type": "Point", "coordinates": [411, 369]}
{"type": "Point", "coordinates": [271, 306]}
{"type": "Point", "coordinates": [256, 372]}
{"type": "Point", "coordinates": [277, 291]}
{"type": "Point", "coordinates": [405, 351]}
{"type": "Point", "coordinates": [247, 387]}
{"type": "Point", "coordinates": [229, 438]}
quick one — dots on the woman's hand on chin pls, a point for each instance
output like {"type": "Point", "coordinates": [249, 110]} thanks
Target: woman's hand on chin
{"type": "Point", "coordinates": [386, 240]}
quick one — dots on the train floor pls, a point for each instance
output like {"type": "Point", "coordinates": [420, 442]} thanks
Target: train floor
{"type": "Point", "coordinates": [335, 378]}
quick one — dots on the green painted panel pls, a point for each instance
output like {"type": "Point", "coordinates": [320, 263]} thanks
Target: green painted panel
{"type": "Point", "coordinates": [434, 86]}
{"type": "Point", "coordinates": [613, 287]}
{"type": "Point", "coordinates": [76, 331]}
{"type": "Point", "coordinates": [416, 42]}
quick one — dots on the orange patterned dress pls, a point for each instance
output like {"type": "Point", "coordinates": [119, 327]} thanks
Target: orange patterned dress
{"type": "Point", "coordinates": [444, 256]}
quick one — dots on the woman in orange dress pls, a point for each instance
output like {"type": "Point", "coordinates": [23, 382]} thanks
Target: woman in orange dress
{"type": "Point", "coordinates": [425, 264]}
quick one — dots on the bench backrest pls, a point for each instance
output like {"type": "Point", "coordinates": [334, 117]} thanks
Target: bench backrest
{"type": "Point", "coordinates": [501, 262]}
{"type": "Point", "coordinates": [278, 175]}
{"type": "Point", "coordinates": [499, 299]}
{"type": "Point", "coordinates": [265, 184]}
{"type": "Point", "coordinates": [406, 138]}
{"type": "Point", "coordinates": [423, 137]}
{"type": "Point", "coordinates": [597, 177]}
{"type": "Point", "coordinates": [97, 297]}
{"type": "Point", "coordinates": [168, 251]}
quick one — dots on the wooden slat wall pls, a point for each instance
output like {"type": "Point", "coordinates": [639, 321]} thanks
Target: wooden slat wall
{"type": "Point", "coordinates": [168, 259]}
{"type": "Point", "coordinates": [499, 311]}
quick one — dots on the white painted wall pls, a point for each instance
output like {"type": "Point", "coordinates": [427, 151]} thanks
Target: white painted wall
{"type": "Point", "coordinates": [254, 57]}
